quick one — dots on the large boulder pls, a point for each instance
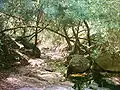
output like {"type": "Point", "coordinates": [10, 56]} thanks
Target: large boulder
{"type": "Point", "coordinates": [108, 61]}
{"type": "Point", "coordinates": [10, 51]}
{"type": "Point", "coordinates": [78, 64]}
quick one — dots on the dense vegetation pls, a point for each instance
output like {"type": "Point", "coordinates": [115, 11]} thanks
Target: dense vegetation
{"type": "Point", "coordinates": [90, 28]}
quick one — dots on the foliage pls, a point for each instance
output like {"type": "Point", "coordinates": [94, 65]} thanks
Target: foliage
{"type": "Point", "coordinates": [93, 81]}
{"type": "Point", "coordinates": [94, 10]}
{"type": "Point", "coordinates": [57, 66]}
{"type": "Point", "coordinates": [100, 14]}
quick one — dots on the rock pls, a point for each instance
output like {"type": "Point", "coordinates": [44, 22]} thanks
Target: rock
{"type": "Point", "coordinates": [10, 51]}
{"type": "Point", "coordinates": [29, 48]}
{"type": "Point", "coordinates": [78, 64]}
{"type": "Point", "coordinates": [108, 61]}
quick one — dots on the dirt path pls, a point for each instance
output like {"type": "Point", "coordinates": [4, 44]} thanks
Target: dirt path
{"type": "Point", "coordinates": [38, 74]}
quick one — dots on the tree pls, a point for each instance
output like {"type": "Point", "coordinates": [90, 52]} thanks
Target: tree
{"type": "Point", "coordinates": [95, 16]}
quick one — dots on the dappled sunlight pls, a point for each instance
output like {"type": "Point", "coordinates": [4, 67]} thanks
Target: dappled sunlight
{"type": "Point", "coordinates": [116, 80]}
{"type": "Point", "coordinates": [59, 44]}
{"type": "Point", "coordinates": [36, 62]}
{"type": "Point", "coordinates": [15, 81]}
{"type": "Point", "coordinates": [37, 75]}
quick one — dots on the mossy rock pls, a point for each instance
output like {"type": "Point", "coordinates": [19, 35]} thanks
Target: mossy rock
{"type": "Point", "coordinates": [29, 48]}
{"type": "Point", "coordinates": [109, 61]}
{"type": "Point", "coordinates": [78, 64]}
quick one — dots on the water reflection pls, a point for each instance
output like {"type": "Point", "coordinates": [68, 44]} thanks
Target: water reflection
{"type": "Point", "coordinates": [55, 87]}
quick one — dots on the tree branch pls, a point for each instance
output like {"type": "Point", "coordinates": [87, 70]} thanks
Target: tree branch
{"type": "Point", "coordinates": [88, 32]}
{"type": "Point", "coordinates": [33, 27]}
{"type": "Point", "coordinates": [10, 15]}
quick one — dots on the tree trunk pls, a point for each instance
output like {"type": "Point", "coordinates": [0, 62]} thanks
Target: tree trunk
{"type": "Point", "coordinates": [67, 38]}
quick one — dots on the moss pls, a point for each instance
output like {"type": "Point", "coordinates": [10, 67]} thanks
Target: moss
{"type": "Point", "coordinates": [78, 64]}
{"type": "Point", "coordinates": [57, 66]}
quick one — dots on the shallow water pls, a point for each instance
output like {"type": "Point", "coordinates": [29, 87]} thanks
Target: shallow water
{"type": "Point", "coordinates": [48, 88]}
{"type": "Point", "coordinates": [29, 88]}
